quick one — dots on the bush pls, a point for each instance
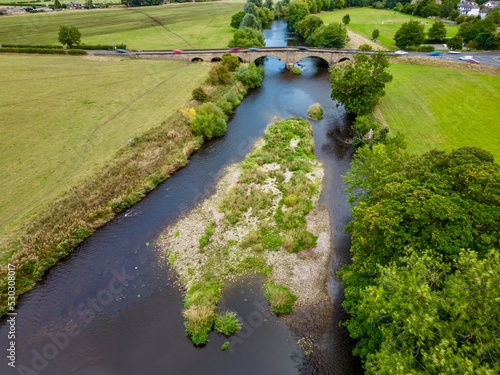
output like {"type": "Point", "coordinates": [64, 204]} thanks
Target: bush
{"type": "Point", "coordinates": [210, 121]}
{"type": "Point", "coordinates": [296, 70]}
{"type": "Point", "coordinates": [251, 77]}
{"type": "Point", "coordinates": [219, 75]}
{"type": "Point", "coordinates": [280, 298]}
{"type": "Point", "coordinates": [421, 48]}
{"type": "Point", "coordinates": [198, 322]}
{"type": "Point", "coordinates": [230, 61]}
{"type": "Point", "coordinates": [315, 112]}
{"type": "Point", "coordinates": [365, 47]}
{"type": "Point", "coordinates": [228, 323]}
{"type": "Point", "coordinates": [200, 94]}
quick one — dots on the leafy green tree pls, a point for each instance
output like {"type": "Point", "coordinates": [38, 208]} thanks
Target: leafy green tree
{"type": "Point", "coordinates": [333, 35]}
{"type": "Point", "coordinates": [412, 217]}
{"type": "Point", "coordinates": [494, 15]}
{"type": "Point", "coordinates": [247, 37]}
{"type": "Point", "coordinates": [250, 8]}
{"type": "Point", "coordinates": [455, 43]}
{"type": "Point", "coordinates": [57, 4]}
{"type": "Point", "coordinates": [140, 3]}
{"type": "Point", "coordinates": [487, 40]}
{"type": "Point", "coordinates": [339, 3]}
{"type": "Point", "coordinates": [236, 19]}
{"type": "Point", "coordinates": [251, 21]}
{"type": "Point", "coordinates": [210, 121]}
{"type": "Point", "coordinates": [434, 320]}
{"type": "Point", "coordinates": [411, 33]}
{"type": "Point", "coordinates": [308, 25]}
{"type": "Point", "coordinates": [346, 19]}
{"type": "Point", "coordinates": [269, 4]}
{"type": "Point", "coordinates": [375, 34]}
{"type": "Point", "coordinates": [469, 30]}
{"type": "Point", "coordinates": [296, 11]}
{"type": "Point", "coordinates": [69, 35]}
{"type": "Point", "coordinates": [437, 32]}
{"type": "Point", "coordinates": [250, 76]}
{"type": "Point", "coordinates": [427, 8]}
{"type": "Point", "coordinates": [360, 86]}
{"type": "Point", "coordinates": [230, 61]}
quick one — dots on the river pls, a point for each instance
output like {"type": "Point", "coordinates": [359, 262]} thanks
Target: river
{"type": "Point", "coordinates": [114, 308]}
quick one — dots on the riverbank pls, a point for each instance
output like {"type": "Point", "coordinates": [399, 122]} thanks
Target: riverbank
{"type": "Point", "coordinates": [264, 218]}
{"type": "Point", "coordinates": [137, 168]}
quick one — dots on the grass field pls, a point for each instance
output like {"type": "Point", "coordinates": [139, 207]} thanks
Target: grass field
{"type": "Point", "coordinates": [187, 25]}
{"type": "Point", "coordinates": [443, 108]}
{"type": "Point", "coordinates": [365, 20]}
{"type": "Point", "coordinates": [60, 117]}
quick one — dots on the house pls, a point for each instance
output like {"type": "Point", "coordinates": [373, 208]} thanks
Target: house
{"type": "Point", "coordinates": [484, 12]}
{"type": "Point", "coordinates": [469, 8]}
{"type": "Point", "coordinates": [492, 4]}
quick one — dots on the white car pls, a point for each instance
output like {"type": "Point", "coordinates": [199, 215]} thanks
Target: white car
{"type": "Point", "coordinates": [454, 52]}
{"type": "Point", "coordinates": [401, 53]}
{"type": "Point", "coordinates": [466, 58]}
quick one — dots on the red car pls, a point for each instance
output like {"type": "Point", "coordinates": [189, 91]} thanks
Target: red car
{"type": "Point", "coordinates": [177, 51]}
{"type": "Point", "coordinates": [234, 49]}
{"type": "Point", "coordinates": [472, 61]}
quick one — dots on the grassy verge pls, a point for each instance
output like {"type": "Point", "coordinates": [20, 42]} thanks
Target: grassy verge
{"type": "Point", "coordinates": [187, 25]}
{"type": "Point", "coordinates": [263, 213]}
{"type": "Point", "coordinates": [443, 108]}
{"type": "Point", "coordinates": [64, 117]}
{"type": "Point", "coordinates": [365, 20]}
{"type": "Point", "coordinates": [139, 166]}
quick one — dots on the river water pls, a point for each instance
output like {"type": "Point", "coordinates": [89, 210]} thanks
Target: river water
{"type": "Point", "coordinates": [114, 308]}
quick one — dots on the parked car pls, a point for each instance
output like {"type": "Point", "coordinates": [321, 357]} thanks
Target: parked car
{"type": "Point", "coordinates": [401, 52]}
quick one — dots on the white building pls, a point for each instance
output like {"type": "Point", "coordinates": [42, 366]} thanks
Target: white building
{"type": "Point", "coordinates": [469, 8]}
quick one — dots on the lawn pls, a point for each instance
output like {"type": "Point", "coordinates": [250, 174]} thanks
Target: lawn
{"type": "Point", "coordinates": [186, 25]}
{"type": "Point", "coordinates": [365, 20]}
{"type": "Point", "coordinates": [443, 108]}
{"type": "Point", "coordinates": [63, 116]}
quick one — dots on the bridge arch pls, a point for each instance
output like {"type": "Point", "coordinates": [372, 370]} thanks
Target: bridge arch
{"type": "Point", "coordinates": [320, 61]}
{"type": "Point", "coordinates": [196, 59]}
{"type": "Point", "coordinates": [344, 59]}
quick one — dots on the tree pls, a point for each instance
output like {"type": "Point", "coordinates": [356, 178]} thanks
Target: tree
{"type": "Point", "coordinates": [210, 121]}
{"type": "Point", "coordinates": [252, 76]}
{"type": "Point", "coordinates": [247, 37]}
{"type": "Point", "coordinates": [375, 34]}
{"type": "Point", "coordinates": [296, 11]}
{"type": "Point", "coordinates": [236, 19]}
{"type": "Point", "coordinates": [469, 30]}
{"type": "Point", "coordinates": [257, 3]}
{"type": "Point", "coordinates": [57, 4]}
{"type": "Point", "coordinates": [455, 43]}
{"type": "Point", "coordinates": [251, 8]}
{"type": "Point", "coordinates": [251, 21]}
{"type": "Point", "coordinates": [269, 4]}
{"type": "Point", "coordinates": [230, 61]}
{"type": "Point", "coordinates": [346, 19]}
{"type": "Point", "coordinates": [308, 25]}
{"type": "Point", "coordinates": [360, 86]}
{"type": "Point", "coordinates": [410, 34]}
{"type": "Point", "coordinates": [437, 32]}
{"type": "Point", "coordinates": [69, 35]}
{"type": "Point", "coordinates": [333, 35]}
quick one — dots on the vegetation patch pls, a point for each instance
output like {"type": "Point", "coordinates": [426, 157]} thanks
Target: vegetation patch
{"type": "Point", "coordinates": [263, 213]}
{"type": "Point", "coordinates": [227, 323]}
{"type": "Point", "coordinates": [315, 112]}
{"type": "Point", "coordinates": [138, 167]}
{"type": "Point", "coordinates": [430, 105]}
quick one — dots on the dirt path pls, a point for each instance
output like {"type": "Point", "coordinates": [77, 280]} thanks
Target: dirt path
{"type": "Point", "coordinates": [355, 40]}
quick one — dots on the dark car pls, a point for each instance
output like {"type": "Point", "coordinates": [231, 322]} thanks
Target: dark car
{"type": "Point", "coordinates": [119, 50]}
{"type": "Point", "coordinates": [253, 49]}
{"type": "Point", "coordinates": [302, 48]}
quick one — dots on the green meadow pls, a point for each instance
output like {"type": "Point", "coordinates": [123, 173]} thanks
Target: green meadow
{"type": "Point", "coordinates": [365, 20]}
{"type": "Point", "coordinates": [443, 108]}
{"type": "Point", "coordinates": [186, 25]}
{"type": "Point", "coordinates": [62, 117]}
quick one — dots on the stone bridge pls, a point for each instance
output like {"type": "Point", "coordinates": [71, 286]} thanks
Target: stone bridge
{"type": "Point", "coordinates": [289, 55]}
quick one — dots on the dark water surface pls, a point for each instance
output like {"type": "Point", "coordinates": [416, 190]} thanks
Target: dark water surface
{"type": "Point", "coordinates": [113, 307]}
